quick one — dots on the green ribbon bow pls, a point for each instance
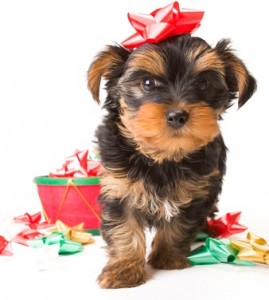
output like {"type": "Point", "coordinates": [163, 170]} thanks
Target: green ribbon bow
{"type": "Point", "coordinates": [216, 251]}
{"type": "Point", "coordinates": [66, 247]}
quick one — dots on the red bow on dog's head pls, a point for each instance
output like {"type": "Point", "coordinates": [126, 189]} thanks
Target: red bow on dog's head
{"type": "Point", "coordinates": [162, 23]}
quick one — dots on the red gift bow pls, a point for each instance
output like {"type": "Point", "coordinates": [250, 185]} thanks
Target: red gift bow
{"type": "Point", "coordinates": [162, 23]}
{"type": "Point", "coordinates": [4, 246]}
{"type": "Point", "coordinates": [226, 225]}
{"type": "Point", "coordinates": [78, 165]}
{"type": "Point", "coordinates": [25, 235]}
{"type": "Point", "coordinates": [33, 221]}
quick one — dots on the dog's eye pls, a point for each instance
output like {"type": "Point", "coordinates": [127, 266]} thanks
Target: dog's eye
{"type": "Point", "coordinates": [149, 84]}
{"type": "Point", "coordinates": [202, 83]}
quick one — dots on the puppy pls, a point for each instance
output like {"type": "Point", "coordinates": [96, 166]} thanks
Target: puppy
{"type": "Point", "coordinates": [161, 146]}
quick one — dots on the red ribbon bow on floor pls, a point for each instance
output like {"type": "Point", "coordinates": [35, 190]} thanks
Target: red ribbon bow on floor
{"type": "Point", "coordinates": [4, 247]}
{"type": "Point", "coordinates": [25, 235]}
{"type": "Point", "coordinates": [33, 221]}
{"type": "Point", "coordinates": [226, 225]}
{"type": "Point", "coordinates": [162, 23]}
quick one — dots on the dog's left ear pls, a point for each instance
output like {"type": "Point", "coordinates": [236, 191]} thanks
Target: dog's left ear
{"type": "Point", "coordinates": [238, 77]}
{"type": "Point", "coordinates": [108, 64]}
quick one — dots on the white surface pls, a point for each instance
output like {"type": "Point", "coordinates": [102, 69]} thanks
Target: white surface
{"type": "Point", "coordinates": [41, 274]}
{"type": "Point", "coordinates": [46, 113]}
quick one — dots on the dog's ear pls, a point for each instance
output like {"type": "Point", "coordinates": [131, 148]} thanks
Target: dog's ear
{"type": "Point", "coordinates": [238, 77]}
{"type": "Point", "coordinates": [107, 64]}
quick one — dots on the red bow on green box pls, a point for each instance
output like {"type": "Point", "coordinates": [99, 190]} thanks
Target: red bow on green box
{"type": "Point", "coordinates": [78, 165]}
{"type": "Point", "coordinates": [162, 23]}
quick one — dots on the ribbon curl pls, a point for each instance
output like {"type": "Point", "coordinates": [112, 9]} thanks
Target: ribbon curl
{"type": "Point", "coordinates": [254, 248]}
{"type": "Point", "coordinates": [161, 24]}
{"type": "Point", "coordinates": [78, 165]}
{"type": "Point", "coordinates": [216, 251]}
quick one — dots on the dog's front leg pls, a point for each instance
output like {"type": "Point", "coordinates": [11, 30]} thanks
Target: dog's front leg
{"type": "Point", "coordinates": [171, 245]}
{"type": "Point", "coordinates": [126, 249]}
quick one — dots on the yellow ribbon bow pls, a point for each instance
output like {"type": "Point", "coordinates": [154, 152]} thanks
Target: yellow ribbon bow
{"type": "Point", "coordinates": [75, 233]}
{"type": "Point", "coordinates": [253, 249]}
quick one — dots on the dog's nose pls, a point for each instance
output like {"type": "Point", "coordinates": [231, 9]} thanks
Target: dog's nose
{"type": "Point", "coordinates": [177, 119]}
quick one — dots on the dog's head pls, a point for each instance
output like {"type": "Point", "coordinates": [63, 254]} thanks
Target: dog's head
{"type": "Point", "coordinates": [169, 96]}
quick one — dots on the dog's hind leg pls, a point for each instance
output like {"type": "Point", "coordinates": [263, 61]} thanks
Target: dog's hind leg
{"type": "Point", "coordinates": [170, 247]}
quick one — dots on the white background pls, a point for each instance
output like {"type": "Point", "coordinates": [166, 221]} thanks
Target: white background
{"type": "Point", "coordinates": [46, 111]}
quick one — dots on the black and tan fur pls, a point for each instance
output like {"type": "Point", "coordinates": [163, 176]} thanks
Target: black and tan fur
{"type": "Point", "coordinates": [157, 174]}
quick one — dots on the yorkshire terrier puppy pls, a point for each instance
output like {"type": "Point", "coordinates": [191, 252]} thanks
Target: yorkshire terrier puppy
{"type": "Point", "coordinates": [161, 147]}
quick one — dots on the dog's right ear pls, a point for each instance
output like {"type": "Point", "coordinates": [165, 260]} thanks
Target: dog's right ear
{"type": "Point", "coordinates": [238, 77]}
{"type": "Point", "coordinates": [107, 64]}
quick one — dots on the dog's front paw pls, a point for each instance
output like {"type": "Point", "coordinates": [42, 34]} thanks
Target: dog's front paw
{"type": "Point", "coordinates": [165, 261]}
{"type": "Point", "coordinates": [122, 275]}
